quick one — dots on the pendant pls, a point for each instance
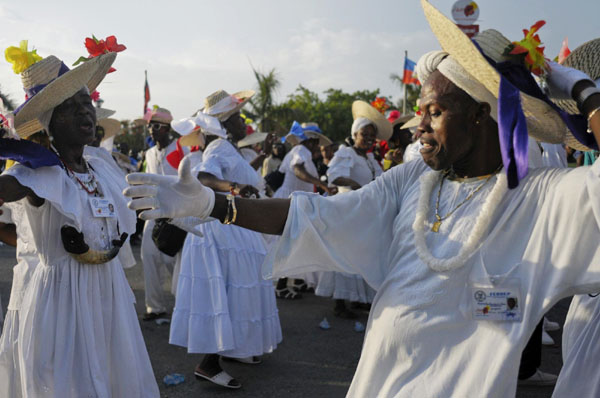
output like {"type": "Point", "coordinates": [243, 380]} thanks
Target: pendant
{"type": "Point", "coordinates": [436, 226]}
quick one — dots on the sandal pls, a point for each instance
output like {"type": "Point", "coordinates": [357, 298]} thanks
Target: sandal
{"type": "Point", "coordinates": [287, 293]}
{"type": "Point", "coordinates": [300, 285]}
{"type": "Point", "coordinates": [222, 379]}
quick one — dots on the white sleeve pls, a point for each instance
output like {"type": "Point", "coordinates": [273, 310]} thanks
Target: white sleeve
{"type": "Point", "coordinates": [567, 230]}
{"type": "Point", "coordinates": [340, 165]}
{"type": "Point", "coordinates": [321, 233]}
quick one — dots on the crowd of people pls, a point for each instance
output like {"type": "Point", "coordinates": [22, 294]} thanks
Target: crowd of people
{"type": "Point", "coordinates": [458, 228]}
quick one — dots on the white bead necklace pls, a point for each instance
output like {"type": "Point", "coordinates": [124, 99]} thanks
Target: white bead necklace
{"type": "Point", "coordinates": [428, 182]}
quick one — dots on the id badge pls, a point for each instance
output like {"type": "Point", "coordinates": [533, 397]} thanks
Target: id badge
{"type": "Point", "coordinates": [497, 302]}
{"type": "Point", "coordinates": [102, 207]}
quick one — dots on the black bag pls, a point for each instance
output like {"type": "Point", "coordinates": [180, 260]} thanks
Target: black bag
{"type": "Point", "coordinates": [275, 179]}
{"type": "Point", "coordinates": [167, 237]}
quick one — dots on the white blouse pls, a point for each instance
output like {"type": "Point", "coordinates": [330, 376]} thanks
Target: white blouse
{"type": "Point", "coordinates": [347, 163]}
{"type": "Point", "coordinates": [422, 339]}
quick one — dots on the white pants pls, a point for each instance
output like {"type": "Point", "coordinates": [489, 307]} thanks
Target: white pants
{"type": "Point", "coordinates": [154, 260]}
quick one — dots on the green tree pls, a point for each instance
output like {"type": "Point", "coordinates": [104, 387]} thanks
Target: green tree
{"type": "Point", "coordinates": [333, 113]}
{"type": "Point", "coordinates": [262, 106]}
{"type": "Point", "coordinates": [412, 93]}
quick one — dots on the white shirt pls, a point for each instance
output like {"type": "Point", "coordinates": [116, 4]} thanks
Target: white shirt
{"type": "Point", "coordinates": [223, 160]}
{"type": "Point", "coordinates": [349, 164]}
{"type": "Point", "coordinates": [421, 340]}
{"type": "Point", "coordinates": [156, 159]}
{"type": "Point", "coordinates": [296, 156]}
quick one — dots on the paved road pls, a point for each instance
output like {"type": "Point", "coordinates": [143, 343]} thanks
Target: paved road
{"type": "Point", "coordinates": [310, 362]}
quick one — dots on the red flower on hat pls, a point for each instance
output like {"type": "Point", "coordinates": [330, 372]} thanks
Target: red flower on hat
{"type": "Point", "coordinates": [530, 48]}
{"type": "Point", "coordinates": [380, 104]}
{"type": "Point", "coordinates": [96, 47]}
{"type": "Point", "coordinates": [95, 96]}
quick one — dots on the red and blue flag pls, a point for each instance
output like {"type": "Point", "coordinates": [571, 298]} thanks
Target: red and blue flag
{"type": "Point", "coordinates": [409, 70]}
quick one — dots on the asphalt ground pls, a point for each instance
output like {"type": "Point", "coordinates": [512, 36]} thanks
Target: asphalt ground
{"type": "Point", "coordinates": [310, 362]}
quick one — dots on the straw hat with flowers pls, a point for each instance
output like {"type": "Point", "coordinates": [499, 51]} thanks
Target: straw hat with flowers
{"type": "Point", "coordinates": [543, 122]}
{"type": "Point", "coordinates": [48, 82]}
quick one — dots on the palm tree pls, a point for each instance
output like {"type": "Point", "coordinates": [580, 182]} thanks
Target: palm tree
{"type": "Point", "coordinates": [262, 107]}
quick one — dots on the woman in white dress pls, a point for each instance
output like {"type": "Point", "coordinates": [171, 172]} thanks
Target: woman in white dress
{"type": "Point", "coordinates": [76, 332]}
{"type": "Point", "coordinates": [351, 168]}
{"type": "Point", "coordinates": [465, 259]}
{"type": "Point", "coordinates": [224, 308]}
{"type": "Point", "coordinates": [300, 174]}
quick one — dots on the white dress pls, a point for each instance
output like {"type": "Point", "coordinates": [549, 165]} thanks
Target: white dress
{"type": "Point", "coordinates": [421, 338]}
{"type": "Point", "coordinates": [296, 156]}
{"type": "Point", "coordinates": [223, 305]}
{"type": "Point", "coordinates": [77, 330]}
{"type": "Point", "coordinates": [347, 163]}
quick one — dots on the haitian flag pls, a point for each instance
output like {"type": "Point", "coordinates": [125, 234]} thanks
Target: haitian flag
{"type": "Point", "coordinates": [409, 69]}
{"type": "Point", "coordinates": [146, 94]}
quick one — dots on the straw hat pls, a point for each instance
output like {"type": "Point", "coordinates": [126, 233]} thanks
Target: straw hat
{"type": "Point", "coordinates": [402, 120]}
{"type": "Point", "coordinates": [103, 113]}
{"type": "Point", "coordinates": [158, 114]}
{"type": "Point", "coordinates": [293, 139]}
{"type": "Point", "coordinates": [586, 58]}
{"type": "Point", "coordinates": [543, 123]}
{"type": "Point", "coordinates": [112, 127]}
{"type": "Point", "coordinates": [252, 139]}
{"type": "Point", "coordinates": [222, 105]}
{"type": "Point", "coordinates": [364, 109]}
{"type": "Point", "coordinates": [412, 122]}
{"type": "Point", "coordinates": [60, 84]}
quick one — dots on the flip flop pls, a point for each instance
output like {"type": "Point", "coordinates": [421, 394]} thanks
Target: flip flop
{"type": "Point", "coordinates": [222, 379]}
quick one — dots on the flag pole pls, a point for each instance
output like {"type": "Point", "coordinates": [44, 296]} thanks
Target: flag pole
{"type": "Point", "coordinates": [404, 86]}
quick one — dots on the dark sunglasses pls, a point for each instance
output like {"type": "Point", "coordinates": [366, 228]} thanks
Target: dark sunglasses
{"type": "Point", "coordinates": [157, 125]}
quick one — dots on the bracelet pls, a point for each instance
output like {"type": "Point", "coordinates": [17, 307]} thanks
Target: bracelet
{"type": "Point", "coordinates": [589, 119]}
{"type": "Point", "coordinates": [232, 187]}
{"type": "Point", "coordinates": [228, 213]}
{"type": "Point", "coordinates": [231, 209]}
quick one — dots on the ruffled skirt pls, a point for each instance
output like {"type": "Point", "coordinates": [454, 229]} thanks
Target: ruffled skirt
{"type": "Point", "coordinates": [223, 305]}
{"type": "Point", "coordinates": [344, 287]}
{"type": "Point", "coordinates": [78, 336]}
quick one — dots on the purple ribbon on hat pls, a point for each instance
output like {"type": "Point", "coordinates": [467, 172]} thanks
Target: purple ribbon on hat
{"type": "Point", "coordinates": [31, 92]}
{"type": "Point", "coordinates": [512, 125]}
{"type": "Point", "coordinates": [28, 153]}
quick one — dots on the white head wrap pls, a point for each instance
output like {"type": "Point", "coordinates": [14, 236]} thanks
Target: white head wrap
{"type": "Point", "coordinates": [359, 123]}
{"type": "Point", "coordinates": [453, 71]}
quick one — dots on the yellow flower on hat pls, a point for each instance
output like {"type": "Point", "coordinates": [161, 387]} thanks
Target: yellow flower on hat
{"type": "Point", "coordinates": [20, 58]}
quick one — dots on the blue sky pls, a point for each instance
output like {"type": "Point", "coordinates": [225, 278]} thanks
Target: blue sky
{"type": "Point", "coordinates": [192, 48]}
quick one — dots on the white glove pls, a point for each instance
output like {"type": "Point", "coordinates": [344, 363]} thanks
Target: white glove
{"type": "Point", "coordinates": [169, 196]}
{"type": "Point", "coordinates": [562, 79]}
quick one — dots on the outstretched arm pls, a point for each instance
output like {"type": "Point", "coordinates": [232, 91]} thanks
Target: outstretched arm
{"type": "Point", "coordinates": [184, 196]}
{"type": "Point", "coordinates": [261, 215]}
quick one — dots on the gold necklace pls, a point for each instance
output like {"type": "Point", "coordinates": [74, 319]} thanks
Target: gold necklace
{"type": "Point", "coordinates": [438, 223]}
